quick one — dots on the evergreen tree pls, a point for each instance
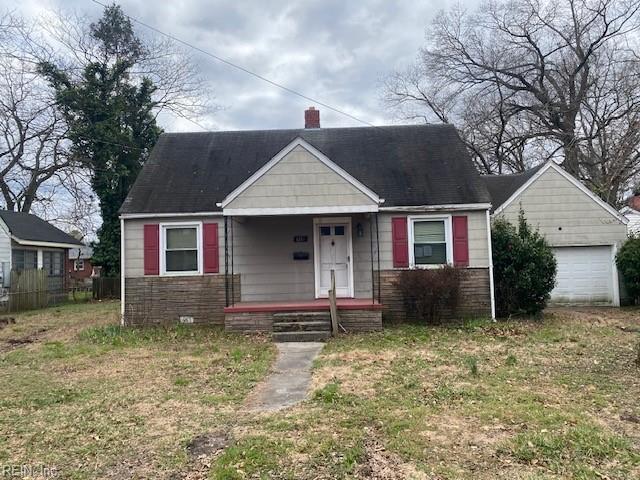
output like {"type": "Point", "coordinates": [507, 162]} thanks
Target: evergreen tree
{"type": "Point", "coordinates": [111, 118]}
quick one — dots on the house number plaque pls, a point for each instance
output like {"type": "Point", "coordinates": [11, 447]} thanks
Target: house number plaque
{"type": "Point", "coordinates": [300, 238]}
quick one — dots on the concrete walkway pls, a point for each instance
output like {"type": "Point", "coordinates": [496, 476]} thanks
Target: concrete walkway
{"type": "Point", "coordinates": [289, 382]}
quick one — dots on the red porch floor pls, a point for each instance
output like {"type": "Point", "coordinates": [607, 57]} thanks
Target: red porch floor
{"type": "Point", "coordinates": [317, 305]}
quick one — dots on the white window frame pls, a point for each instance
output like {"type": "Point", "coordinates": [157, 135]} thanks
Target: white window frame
{"type": "Point", "coordinates": [78, 265]}
{"type": "Point", "coordinates": [163, 252]}
{"type": "Point", "coordinates": [448, 238]}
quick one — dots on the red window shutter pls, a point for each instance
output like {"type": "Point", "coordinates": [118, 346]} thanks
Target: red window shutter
{"type": "Point", "coordinates": [152, 249]}
{"type": "Point", "coordinates": [400, 242]}
{"type": "Point", "coordinates": [210, 243]}
{"type": "Point", "coordinates": [460, 241]}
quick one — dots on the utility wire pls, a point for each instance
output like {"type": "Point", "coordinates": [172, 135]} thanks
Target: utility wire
{"type": "Point", "coordinates": [242, 69]}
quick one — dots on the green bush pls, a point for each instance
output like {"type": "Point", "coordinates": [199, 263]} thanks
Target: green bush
{"type": "Point", "coordinates": [524, 268]}
{"type": "Point", "coordinates": [628, 262]}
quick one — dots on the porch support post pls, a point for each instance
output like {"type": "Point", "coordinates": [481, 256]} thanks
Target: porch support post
{"type": "Point", "coordinates": [373, 281]}
{"type": "Point", "coordinates": [226, 262]}
{"type": "Point", "coordinates": [378, 252]}
{"type": "Point", "coordinates": [233, 296]}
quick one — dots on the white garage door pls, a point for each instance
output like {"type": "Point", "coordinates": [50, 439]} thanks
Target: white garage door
{"type": "Point", "coordinates": [584, 276]}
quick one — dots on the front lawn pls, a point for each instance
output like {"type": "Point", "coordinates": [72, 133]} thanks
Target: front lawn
{"type": "Point", "coordinates": [526, 400]}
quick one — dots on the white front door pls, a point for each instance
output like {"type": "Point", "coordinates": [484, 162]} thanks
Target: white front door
{"type": "Point", "coordinates": [333, 250]}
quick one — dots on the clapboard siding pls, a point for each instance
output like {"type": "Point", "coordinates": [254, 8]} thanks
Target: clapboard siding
{"type": "Point", "coordinates": [5, 254]}
{"type": "Point", "coordinates": [134, 241]}
{"type": "Point", "coordinates": [477, 230]}
{"type": "Point", "coordinates": [263, 250]}
{"type": "Point", "coordinates": [299, 179]}
{"type": "Point", "coordinates": [564, 214]}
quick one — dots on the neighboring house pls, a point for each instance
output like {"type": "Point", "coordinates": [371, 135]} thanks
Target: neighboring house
{"type": "Point", "coordinates": [245, 227]}
{"type": "Point", "coordinates": [79, 264]}
{"type": "Point", "coordinates": [28, 242]}
{"type": "Point", "coordinates": [584, 231]}
{"type": "Point", "coordinates": [632, 212]}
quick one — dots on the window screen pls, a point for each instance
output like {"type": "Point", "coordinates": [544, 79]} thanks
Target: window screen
{"type": "Point", "coordinates": [181, 249]}
{"type": "Point", "coordinates": [429, 242]}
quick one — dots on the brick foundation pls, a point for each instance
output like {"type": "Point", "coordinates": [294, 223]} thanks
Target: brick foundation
{"type": "Point", "coordinates": [163, 300]}
{"type": "Point", "coordinates": [475, 295]}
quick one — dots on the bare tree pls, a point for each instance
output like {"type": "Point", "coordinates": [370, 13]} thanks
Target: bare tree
{"type": "Point", "coordinates": [33, 145]}
{"type": "Point", "coordinates": [521, 77]}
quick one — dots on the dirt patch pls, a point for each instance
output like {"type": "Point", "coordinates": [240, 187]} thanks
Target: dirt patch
{"type": "Point", "coordinates": [13, 343]}
{"type": "Point", "coordinates": [6, 321]}
{"type": "Point", "coordinates": [208, 444]}
{"type": "Point", "coordinates": [379, 464]}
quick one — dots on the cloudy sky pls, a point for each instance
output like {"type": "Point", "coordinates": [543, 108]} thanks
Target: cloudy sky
{"type": "Point", "coordinates": [336, 51]}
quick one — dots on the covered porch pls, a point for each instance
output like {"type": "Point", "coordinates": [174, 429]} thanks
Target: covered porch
{"type": "Point", "coordinates": [282, 268]}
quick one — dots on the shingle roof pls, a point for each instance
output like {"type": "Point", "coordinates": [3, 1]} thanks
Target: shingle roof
{"type": "Point", "coordinates": [405, 165]}
{"type": "Point", "coordinates": [26, 226]}
{"type": "Point", "coordinates": [501, 187]}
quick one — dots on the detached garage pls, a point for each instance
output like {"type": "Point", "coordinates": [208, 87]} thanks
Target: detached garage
{"type": "Point", "coordinates": [584, 231]}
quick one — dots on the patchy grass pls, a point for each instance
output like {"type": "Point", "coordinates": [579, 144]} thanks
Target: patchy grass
{"type": "Point", "coordinates": [546, 399]}
{"type": "Point", "coordinates": [96, 400]}
{"type": "Point", "coordinates": [515, 400]}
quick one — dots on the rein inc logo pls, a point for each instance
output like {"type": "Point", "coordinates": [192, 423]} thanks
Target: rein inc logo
{"type": "Point", "coordinates": [28, 471]}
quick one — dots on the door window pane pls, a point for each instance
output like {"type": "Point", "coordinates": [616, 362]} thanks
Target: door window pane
{"type": "Point", "coordinates": [325, 231]}
{"type": "Point", "coordinates": [339, 230]}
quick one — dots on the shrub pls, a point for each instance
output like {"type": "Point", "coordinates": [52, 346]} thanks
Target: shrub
{"type": "Point", "coordinates": [428, 293]}
{"type": "Point", "coordinates": [524, 268]}
{"type": "Point", "coordinates": [628, 262]}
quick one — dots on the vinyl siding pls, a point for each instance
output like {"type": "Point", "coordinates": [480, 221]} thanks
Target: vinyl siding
{"type": "Point", "coordinates": [263, 250]}
{"type": "Point", "coordinates": [634, 223]}
{"type": "Point", "coordinates": [5, 254]}
{"type": "Point", "coordinates": [564, 214]}
{"type": "Point", "coordinates": [134, 241]}
{"type": "Point", "coordinates": [299, 179]}
{"type": "Point", "coordinates": [477, 230]}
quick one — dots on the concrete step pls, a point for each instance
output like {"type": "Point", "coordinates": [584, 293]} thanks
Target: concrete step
{"type": "Point", "coordinates": [311, 325]}
{"type": "Point", "coordinates": [301, 317]}
{"type": "Point", "coordinates": [308, 336]}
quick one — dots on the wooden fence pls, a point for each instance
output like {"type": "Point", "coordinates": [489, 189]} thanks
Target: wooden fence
{"type": "Point", "coordinates": [29, 290]}
{"type": "Point", "coordinates": [106, 288]}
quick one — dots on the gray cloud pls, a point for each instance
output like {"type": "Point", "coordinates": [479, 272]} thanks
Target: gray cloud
{"type": "Point", "coordinates": [333, 50]}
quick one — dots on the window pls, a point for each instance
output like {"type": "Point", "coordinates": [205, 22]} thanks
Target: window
{"type": "Point", "coordinates": [430, 241]}
{"type": "Point", "coordinates": [339, 229]}
{"type": "Point", "coordinates": [24, 260]}
{"type": "Point", "coordinates": [78, 265]}
{"type": "Point", "coordinates": [52, 263]}
{"type": "Point", "coordinates": [181, 245]}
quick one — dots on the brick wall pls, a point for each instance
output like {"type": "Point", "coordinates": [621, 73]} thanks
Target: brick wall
{"type": "Point", "coordinates": [475, 295]}
{"type": "Point", "coordinates": [163, 300]}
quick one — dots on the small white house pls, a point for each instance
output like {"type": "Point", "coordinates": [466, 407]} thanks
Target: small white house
{"type": "Point", "coordinates": [28, 242]}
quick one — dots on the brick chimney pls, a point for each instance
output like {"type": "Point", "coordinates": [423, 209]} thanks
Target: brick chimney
{"type": "Point", "coordinates": [634, 202]}
{"type": "Point", "coordinates": [311, 118]}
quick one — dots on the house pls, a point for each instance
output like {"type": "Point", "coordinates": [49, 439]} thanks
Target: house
{"type": "Point", "coordinates": [632, 212]}
{"type": "Point", "coordinates": [79, 266]}
{"type": "Point", "coordinates": [245, 227]}
{"type": "Point", "coordinates": [28, 242]}
{"type": "Point", "coordinates": [584, 231]}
